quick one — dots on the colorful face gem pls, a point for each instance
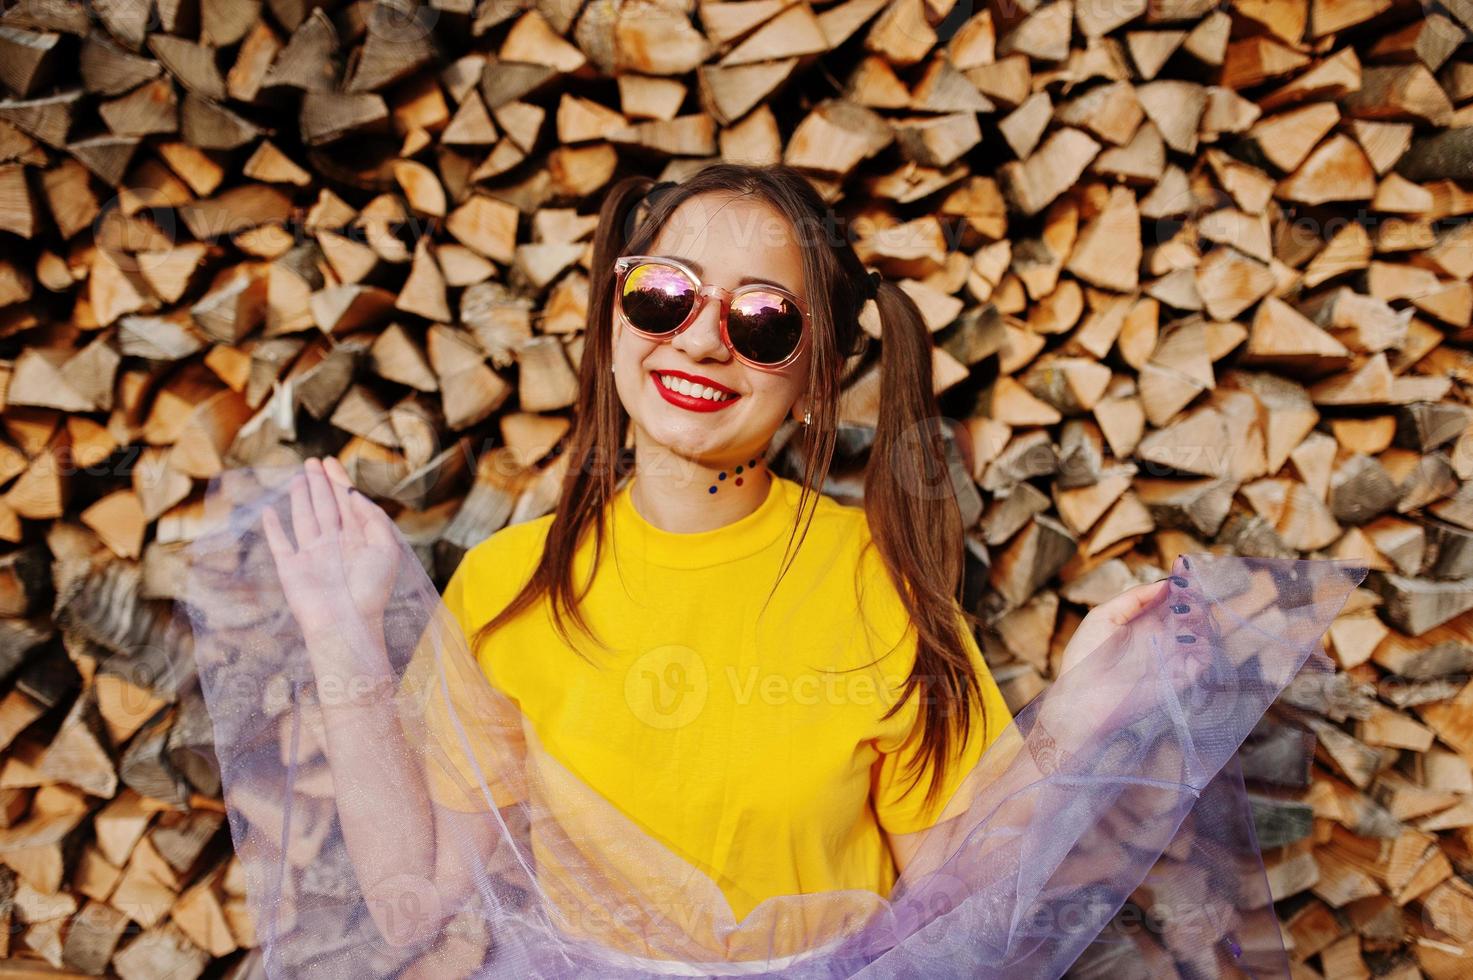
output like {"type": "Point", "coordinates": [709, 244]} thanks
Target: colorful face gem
{"type": "Point", "coordinates": [736, 474]}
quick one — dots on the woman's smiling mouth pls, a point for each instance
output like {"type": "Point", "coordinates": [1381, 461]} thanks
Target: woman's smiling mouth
{"type": "Point", "coordinates": [694, 394]}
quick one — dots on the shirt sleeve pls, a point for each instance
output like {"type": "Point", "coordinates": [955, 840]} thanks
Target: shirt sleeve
{"type": "Point", "coordinates": [899, 806]}
{"type": "Point", "coordinates": [436, 692]}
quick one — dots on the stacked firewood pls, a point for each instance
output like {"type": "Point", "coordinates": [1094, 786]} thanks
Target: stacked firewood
{"type": "Point", "coordinates": [1198, 274]}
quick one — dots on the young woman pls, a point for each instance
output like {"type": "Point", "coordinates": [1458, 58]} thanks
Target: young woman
{"type": "Point", "coordinates": [782, 690]}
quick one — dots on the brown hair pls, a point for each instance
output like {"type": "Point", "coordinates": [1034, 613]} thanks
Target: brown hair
{"type": "Point", "coordinates": [909, 502]}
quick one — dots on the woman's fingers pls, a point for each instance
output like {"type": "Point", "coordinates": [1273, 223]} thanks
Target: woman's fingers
{"type": "Point", "coordinates": [1101, 622]}
{"type": "Point", "coordinates": [334, 468]}
{"type": "Point", "coordinates": [378, 527]}
{"type": "Point", "coordinates": [342, 486]}
{"type": "Point", "coordinates": [323, 502]}
{"type": "Point", "coordinates": [304, 521]}
{"type": "Point", "coordinates": [281, 548]}
{"type": "Point", "coordinates": [1132, 602]}
{"type": "Point", "coordinates": [365, 517]}
{"type": "Point", "coordinates": [339, 478]}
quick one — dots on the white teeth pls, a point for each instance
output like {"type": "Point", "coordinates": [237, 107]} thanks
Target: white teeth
{"type": "Point", "coordinates": [695, 391]}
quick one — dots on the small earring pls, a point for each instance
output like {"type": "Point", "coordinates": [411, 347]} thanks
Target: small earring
{"type": "Point", "coordinates": [613, 370]}
{"type": "Point", "coordinates": [807, 416]}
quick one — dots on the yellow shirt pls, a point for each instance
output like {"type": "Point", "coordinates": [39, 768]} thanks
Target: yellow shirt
{"type": "Point", "coordinates": [708, 720]}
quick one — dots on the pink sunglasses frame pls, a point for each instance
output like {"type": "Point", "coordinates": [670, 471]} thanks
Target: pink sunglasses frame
{"type": "Point", "coordinates": [626, 263]}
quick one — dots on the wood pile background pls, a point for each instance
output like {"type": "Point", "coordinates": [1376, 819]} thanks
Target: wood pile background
{"type": "Point", "coordinates": [1199, 276]}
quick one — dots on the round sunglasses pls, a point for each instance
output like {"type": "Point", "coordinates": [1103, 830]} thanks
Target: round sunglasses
{"type": "Point", "coordinates": [765, 326]}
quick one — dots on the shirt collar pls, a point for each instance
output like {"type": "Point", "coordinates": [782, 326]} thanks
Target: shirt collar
{"type": "Point", "coordinates": [636, 539]}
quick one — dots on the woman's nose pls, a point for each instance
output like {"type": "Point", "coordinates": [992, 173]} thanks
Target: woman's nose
{"type": "Point", "coordinates": [702, 339]}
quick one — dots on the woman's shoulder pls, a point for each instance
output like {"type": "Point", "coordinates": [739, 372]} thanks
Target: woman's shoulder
{"type": "Point", "coordinates": [493, 571]}
{"type": "Point", "coordinates": [518, 535]}
{"type": "Point", "coordinates": [844, 548]}
{"type": "Point", "coordinates": [830, 515]}
{"type": "Point", "coordinates": [506, 553]}
{"type": "Point", "coordinates": [839, 543]}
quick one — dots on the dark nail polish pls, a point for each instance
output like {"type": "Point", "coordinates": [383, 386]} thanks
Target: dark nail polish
{"type": "Point", "coordinates": [1186, 638]}
{"type": "Point", "coordinates": [1181, 607]}
{"type": "Point", "coordinates": [1179, 580]}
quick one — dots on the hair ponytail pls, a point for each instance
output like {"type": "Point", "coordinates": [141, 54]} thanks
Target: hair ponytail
{"type": "Point", "coordinates": [915, 524]}
{"type": "Point", "coordinates": [601, 426]}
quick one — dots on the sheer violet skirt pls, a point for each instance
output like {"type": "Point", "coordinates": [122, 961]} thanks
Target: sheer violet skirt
{"type": "Point", "coordinates": [1118, 783]}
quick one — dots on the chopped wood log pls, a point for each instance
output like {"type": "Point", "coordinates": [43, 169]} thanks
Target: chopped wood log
{"type": "Point", "coordinates": [1032, 185]}
{"type": "Point", "coordinates": [330, 116]}
{"type": "Point", "coordinates": [1336, 171]}
{"type": "Point", "coordinates": [151, 108]}
{"type": "Point", "coordinates": [1415, 607]}
{"type": "Point", "coordinates": [193, 64]}
{"type": "Point", "coordinates": [306, 62]}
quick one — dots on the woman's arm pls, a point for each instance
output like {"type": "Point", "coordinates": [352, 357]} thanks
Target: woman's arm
{"type": "Point", "coordinates": [391, 830]}
{"type": "Point", "coordinates": [414, 860]}
{"type": "Point", "coordinates": [1096, 627]}
{"type": "Point", "coordinates": [903, 847]}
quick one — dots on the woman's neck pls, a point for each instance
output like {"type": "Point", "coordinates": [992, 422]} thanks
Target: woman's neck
{"type": "Point", "coordinates": [675, 493]}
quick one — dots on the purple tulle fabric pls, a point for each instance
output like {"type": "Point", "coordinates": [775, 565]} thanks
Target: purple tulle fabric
{"type": "Point", "coordinates": [1117, 784]}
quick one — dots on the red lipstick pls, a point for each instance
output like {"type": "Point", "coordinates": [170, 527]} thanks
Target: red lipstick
{"type": "Point", "coordinates": [693, 403]}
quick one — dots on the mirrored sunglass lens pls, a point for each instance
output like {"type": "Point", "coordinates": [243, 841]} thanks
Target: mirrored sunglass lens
{"type": "Point", "coordinates": [657, 298]}
{"type": "Point", "coordinates": [765, 327]}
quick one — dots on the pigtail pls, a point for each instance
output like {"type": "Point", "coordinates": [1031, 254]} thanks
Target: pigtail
{"type": "Point", "coordinates": [915, 524]}
{"type": "Point", "coordinates": [600, 427]}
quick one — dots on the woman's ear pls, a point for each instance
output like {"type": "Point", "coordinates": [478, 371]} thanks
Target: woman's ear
{"type": "Point", "coordinates": [799, 407]}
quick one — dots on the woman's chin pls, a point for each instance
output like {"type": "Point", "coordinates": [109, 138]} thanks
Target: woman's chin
{"type": "Point", "coordinates": [702, 447]}
{"type": "Point", "coordinates": [697, 449]}
{"type": "Point", "coordinates": [705, 438]}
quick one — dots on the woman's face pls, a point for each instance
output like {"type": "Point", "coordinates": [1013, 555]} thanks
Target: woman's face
{"type": "Point", "coordinates": [723, 238]}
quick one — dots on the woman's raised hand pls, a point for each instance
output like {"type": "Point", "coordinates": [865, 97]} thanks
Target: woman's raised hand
{"type": "Point", "coordinates": [340, 559]}
{"type": "Point", "coordinates": [1103, 620]}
